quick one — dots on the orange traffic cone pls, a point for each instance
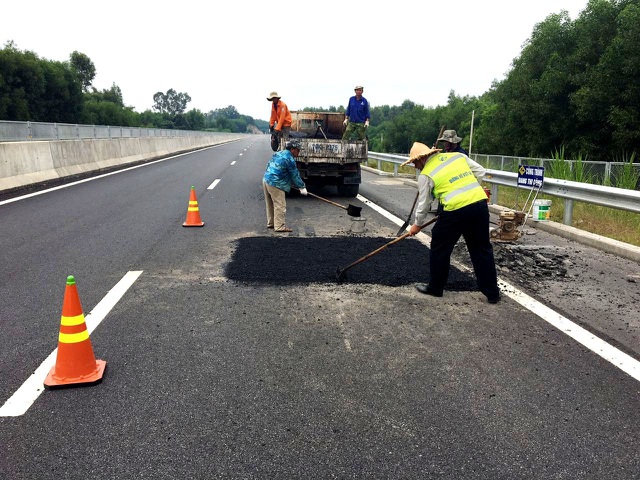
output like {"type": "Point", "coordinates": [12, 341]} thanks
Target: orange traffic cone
{"type": "Point", "coordinates": [75, 363]}
{"type": "Point", "coordinates": [193, 213]}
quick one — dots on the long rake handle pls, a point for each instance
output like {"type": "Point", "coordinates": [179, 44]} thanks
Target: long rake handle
{"type": "Point", "coordinates": [378, 250]}
{"type": "Point", "coordinates": [325, 200]}
{"type": "Point", "coordinates": [375, 252]}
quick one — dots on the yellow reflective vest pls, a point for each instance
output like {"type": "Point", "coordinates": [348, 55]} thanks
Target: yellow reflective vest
{"type": "Point", "coordinates": [455, 186]}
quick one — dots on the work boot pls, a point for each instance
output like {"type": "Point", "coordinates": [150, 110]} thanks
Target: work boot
{"type": "Point", "coordinates": [427, 290]}
{"type": "Point", "coordinates": [493, 299]}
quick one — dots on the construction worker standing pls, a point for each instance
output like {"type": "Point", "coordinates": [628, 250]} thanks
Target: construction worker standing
{"type": "Point", "coordinates": [280, 120]}
{"type": "Point", "coordinates": [454, 179]}
{"type": "Point", "coordinates": [356, 115]}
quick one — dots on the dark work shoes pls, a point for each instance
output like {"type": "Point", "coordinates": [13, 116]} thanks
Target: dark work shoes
{"type": "Point", "coordinates": [424, 288]}
{"type": "Point", "coordinates": [427, 290]}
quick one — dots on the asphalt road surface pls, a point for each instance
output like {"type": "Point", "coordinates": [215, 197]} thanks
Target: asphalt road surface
{"type": "Point", "coordinates": [233, 352]}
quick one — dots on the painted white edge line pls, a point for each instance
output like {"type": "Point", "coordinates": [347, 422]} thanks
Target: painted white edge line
{"type": "Point", "coordinates": [31, 389]}
{"type": "Point", "coordinates": [616, 357]}
{"type": "Point", "coordinates": [213, 185]}
{"type": "Point", "coordinates": [233, 163]}
{"type": "Point", "coordinates": [66, 185]}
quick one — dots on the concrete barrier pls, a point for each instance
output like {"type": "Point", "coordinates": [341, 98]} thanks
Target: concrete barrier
{"type": "Point", "coordinates": [28, 163]}
{"type": "Point", "coordinates": [24, 163]}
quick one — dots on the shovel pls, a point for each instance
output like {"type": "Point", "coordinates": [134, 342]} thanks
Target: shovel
{"type": "Point", "coordinates": [340, 272]}
{"type": "Point", "coordinates": [352, 210]}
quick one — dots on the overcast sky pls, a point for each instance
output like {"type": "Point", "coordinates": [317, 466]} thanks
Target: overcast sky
{"type": "Point", "coordinates": [312, 53]}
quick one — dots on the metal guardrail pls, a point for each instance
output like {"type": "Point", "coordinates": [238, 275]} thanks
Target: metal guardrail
{"type": "Point", "coordinates": [611, 197]}
{"type": "Point", "coordinates": [11, 131]}
{"type": "Point", "coordinates": [395, 159]}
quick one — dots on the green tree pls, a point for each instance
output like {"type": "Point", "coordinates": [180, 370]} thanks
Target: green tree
{"type": "Point", "coordinates": [608, 100]}
{"type": "Point", "coordinates": [195, 119]}
{"type": "Point", "coordinates": [107, 107]}
{"type": "Point", "coordinates": [22, 83]}
{"type": "Point", "coordinates": [533, 101]}
{"type": "Point", "coordinates": [84, 68]}
{"type": "Point", "coordinates": [36, 89]}
{"type": "Point", "coordinates": [172, 102]}
{"type": "Point", "coordinates": [62, 97]}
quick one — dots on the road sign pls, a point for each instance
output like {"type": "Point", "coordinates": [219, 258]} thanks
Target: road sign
{"type": "Point", "coordinates": [530, 176]}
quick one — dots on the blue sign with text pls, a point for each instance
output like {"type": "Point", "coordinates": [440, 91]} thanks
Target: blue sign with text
{"type": "Point", "coordinates": [530, 176]}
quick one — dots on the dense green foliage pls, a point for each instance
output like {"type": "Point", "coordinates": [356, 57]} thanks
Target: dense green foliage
{"type": "Point", "coordinates": [32, 89]}
{"type": "Point", "coordinates": [40, 90]}
{"type": "Point", "coordinates": [574, 88]}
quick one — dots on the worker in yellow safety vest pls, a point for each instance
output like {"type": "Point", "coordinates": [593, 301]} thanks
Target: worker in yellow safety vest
{"type": "Point", "coordinates": [454, 179]}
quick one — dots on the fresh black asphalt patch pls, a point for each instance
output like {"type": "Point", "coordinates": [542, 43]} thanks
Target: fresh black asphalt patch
{"type": "Point", "coordinates": [303, 260]}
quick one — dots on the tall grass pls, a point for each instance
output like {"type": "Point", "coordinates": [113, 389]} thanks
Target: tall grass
{"type": "Point", "coordinates": [575, 170]}
{"type": "Point", "coordinates": [580, 172]}
{"type": "Point", "coordinates": [559, 167]}
{"type": "Point", "coordinates": [628, 176]}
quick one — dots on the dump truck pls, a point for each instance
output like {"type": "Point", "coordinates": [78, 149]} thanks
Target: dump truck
{"type": "Point", "coordinates": [326, 159]}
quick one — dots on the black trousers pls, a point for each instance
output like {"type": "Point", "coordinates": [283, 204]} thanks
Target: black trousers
{"type": "Point", "coordinates": [472, 223]}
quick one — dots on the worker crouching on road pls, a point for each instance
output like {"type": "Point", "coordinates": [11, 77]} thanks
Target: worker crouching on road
{"type": "Point", "coordinates": [454, 179]}
{"type": "Point", "coordinates": [282, 173]}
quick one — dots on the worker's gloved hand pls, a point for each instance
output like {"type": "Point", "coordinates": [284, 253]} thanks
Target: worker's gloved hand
{"type": "Point", "coordinates": [346, 120]}
{"type": "Point", "coordinates": [303, 191]}
{"type": "Point", "coordinates": [271, 128]}
{"type": "Point", "coordinates": [366, 124]}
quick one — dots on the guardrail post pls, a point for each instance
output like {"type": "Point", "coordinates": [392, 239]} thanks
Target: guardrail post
{"type": "Point", "coordinates": [494, 193]}
{"type": "Point", "coordinates": [567, 217]}
{"type": "Point", "coordinates": [395, 169]}
{"type": "Point", "coordinates": [29, 131]}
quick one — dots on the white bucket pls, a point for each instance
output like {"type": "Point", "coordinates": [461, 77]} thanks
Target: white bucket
{"type": "Point", "coordinates": [541, 210]}
{"type": "Point", "coordinates": [358, 224]}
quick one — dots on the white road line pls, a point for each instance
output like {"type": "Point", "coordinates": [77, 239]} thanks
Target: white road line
{"type": "Point", "coordinates": [66, 185]}
{"type": "Point", "coordinates": [213, 185]}
{"type": "Point", "coordinates": [31, 389]}
{"type": "Point", "coordinates": [616, 357]}
{"type": "Point", "coordinates": [233, 163]}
